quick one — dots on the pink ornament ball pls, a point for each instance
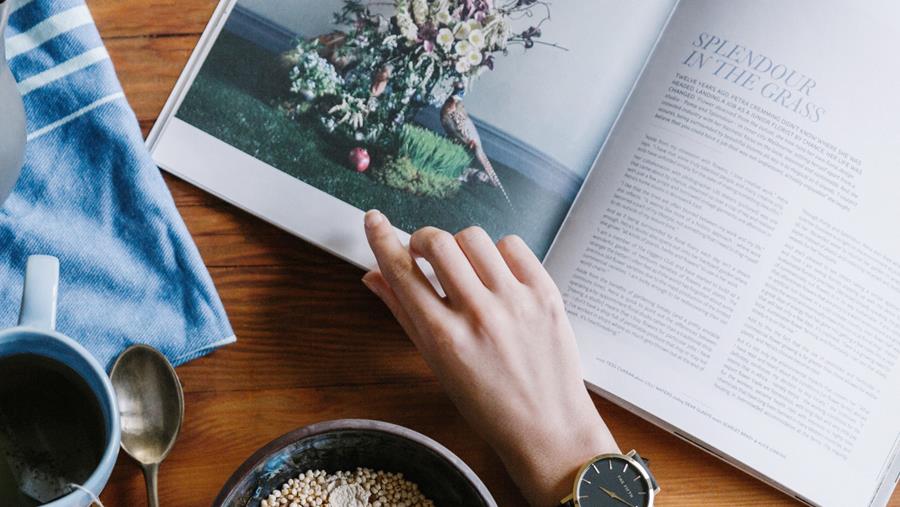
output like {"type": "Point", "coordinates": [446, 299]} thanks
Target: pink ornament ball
{"type": "Point", "coordinates": [360, 159]}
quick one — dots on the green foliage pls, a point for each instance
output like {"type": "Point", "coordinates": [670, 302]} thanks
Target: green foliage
{"type": "Point", "coordinates": [403, 174]}
{"type": "Point", "coordinates": [433, 153]}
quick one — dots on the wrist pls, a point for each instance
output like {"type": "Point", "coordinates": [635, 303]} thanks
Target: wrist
{"type": "Point", "coordinates": [545, 465]}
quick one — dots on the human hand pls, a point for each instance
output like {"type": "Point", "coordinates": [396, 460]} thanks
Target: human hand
{"type": "Point", "coordinates": [501, 345]}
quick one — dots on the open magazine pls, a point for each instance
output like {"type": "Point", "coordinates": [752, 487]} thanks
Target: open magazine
{"type": "Point", "coordinates": [729, 260]}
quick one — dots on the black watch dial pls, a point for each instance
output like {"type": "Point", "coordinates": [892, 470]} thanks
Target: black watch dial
{"type": "Point", "coordinates": [612, 482]}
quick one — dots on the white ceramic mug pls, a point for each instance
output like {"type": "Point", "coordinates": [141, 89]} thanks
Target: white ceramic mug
{"type": "Point", "coordinates": [36, 335]}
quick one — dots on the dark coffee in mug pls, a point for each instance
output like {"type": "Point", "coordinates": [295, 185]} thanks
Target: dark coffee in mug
{"type": "Point", "coordinates": [52, 430]}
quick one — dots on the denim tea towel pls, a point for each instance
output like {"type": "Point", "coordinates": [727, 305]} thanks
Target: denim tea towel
{"type": "Point", "coordinates": [91, 195]}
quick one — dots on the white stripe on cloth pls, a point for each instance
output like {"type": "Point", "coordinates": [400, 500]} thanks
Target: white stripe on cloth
{"type": "Point", "coordinates": [15, 5]}
{"type": "Point", "coordinates": [62, 70]}
{"type": "Point", "coordinates": [51, 27]}
{"type": "Point", "coordinates": [81, 112]}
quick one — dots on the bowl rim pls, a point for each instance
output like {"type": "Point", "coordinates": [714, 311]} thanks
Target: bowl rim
{"type": "Point", "coordinates": [370, 425]}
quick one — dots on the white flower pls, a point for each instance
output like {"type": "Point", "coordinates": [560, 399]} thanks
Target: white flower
{"type": "Point", "coordinates": [474, 25]}
{"type": "Point", "coordinates": [445, 38]}
{"type": "Point", "coordinates": [476, 38]}
{"type": "Point", "coordinates": [474, 58]}
{"type": "Point", "coordinates": [462, 66]}
{"type": "Point", "coordinates": [408, 29]}
{"type": "Point", "coordinates": [462, 31]}
{"type": "Point", "coordinates": [443, 17]}
{"type": "Point", "coordinates": [464, 47]}
{"type": "Point", "coordinates": [420, 11]}
{"type": "Point", "coordinates": [407, 26]}
{"type": "Point", "coordinates": [411, 32]}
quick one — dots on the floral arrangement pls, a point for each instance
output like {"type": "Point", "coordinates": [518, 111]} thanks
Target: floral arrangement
{"type": "Point", "coordinates": [311, 75]}
{"type": "Point", "coordinates": [367, 82]}
{"type": "Point", "coordinates": [464, 39]}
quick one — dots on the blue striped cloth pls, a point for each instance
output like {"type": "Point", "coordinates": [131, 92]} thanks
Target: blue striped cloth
{"type": "Point", "coordinates": [91, 195]}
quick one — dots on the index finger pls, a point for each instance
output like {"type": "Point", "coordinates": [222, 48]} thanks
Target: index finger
{"type": "Point", "coordinates": [414, 291]}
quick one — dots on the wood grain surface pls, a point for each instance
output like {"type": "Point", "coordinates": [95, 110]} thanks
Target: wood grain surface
{"type": "Point", "coordinates": [313, 344]}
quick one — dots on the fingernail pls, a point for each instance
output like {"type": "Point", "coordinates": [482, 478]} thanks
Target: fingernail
{"type": "Point", "coordinates": [373, 218]}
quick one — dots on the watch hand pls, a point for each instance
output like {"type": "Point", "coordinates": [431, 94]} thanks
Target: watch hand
{"type": "Point", "coordinates": [614, 496]}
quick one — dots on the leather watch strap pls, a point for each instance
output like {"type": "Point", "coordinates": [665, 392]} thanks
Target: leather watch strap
{"type": "Point", "coordinates": [568, 503]}
{"type": "Point", "coordinates": [637, 457]}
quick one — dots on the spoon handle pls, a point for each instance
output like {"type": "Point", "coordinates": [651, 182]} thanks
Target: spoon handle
{"type": "Point", "coordinates": [151, 472]}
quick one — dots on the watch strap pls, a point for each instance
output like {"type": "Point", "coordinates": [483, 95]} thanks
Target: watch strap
{"type": "Point", "coordinates": [637, 457]}
{"type": "Point", "coordinates": [569, 502]}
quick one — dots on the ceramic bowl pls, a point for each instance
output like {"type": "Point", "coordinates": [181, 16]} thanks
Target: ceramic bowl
{"type": "Point", "coordinates": [350, 443]}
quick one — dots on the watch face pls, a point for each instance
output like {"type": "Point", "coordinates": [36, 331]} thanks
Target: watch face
{"type": "Point", "coordinates": [612, 482]}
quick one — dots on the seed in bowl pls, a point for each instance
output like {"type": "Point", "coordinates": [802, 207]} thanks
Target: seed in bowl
{"type": "Point", "coordinates": [362, 488]}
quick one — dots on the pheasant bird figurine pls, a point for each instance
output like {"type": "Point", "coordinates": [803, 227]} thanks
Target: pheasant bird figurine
{"type": "Point", "coordinates": [459, 126]}
{"type": "Point", "coordinates": [380, 80]}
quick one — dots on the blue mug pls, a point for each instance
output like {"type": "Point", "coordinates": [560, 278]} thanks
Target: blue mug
{"type": "Point", "coordinates": [36, 335]}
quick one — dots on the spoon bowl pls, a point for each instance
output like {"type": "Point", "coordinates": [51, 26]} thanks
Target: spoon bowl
{"type": "Point", "coordinates": [151, 406]}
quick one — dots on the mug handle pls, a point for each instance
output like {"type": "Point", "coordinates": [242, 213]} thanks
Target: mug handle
{"type": "Point", "coordinates": [39, 294]}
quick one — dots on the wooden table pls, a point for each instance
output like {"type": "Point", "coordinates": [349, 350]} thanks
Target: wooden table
{"type": "Point", "coordinates": [313, 344]}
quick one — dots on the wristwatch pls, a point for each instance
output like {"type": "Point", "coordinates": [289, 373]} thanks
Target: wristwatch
{"type": "Point", "coordinates": [613, 480]}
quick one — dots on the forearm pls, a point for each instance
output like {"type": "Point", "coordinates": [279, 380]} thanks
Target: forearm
{"type": "Point", "coordinates": [501, 343]}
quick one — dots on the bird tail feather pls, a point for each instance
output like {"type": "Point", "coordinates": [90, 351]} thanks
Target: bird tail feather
{"type": "Point", "coordinates": [489, 169]}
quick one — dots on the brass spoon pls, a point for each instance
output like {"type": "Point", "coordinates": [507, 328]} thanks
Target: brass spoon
{"type": "Point", "coordinates": [151, 404]}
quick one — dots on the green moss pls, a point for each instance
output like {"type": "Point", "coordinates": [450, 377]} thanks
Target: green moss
{"type": "Point", "coordinates": [433, 153]}
{"type": "Point", "coordinates": [403, 174]}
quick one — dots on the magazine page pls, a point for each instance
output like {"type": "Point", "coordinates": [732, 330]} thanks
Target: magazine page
{"type": "Point", "coordinates": [451, 114]}
{"type": "Point", "coordinates": [732, 265]}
